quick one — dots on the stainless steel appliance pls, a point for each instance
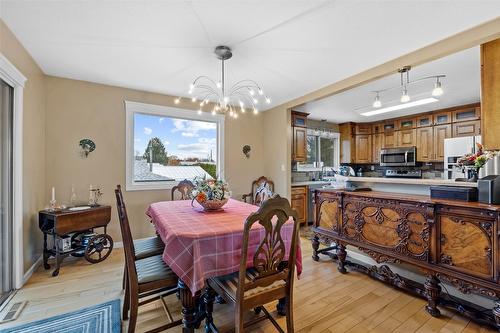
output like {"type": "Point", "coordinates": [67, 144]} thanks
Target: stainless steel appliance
{"type": "Point", "coordinates": [402, 156]}
{"type": "Point", "coordinates": [393, 173]}
{"type": "Point", "coordinates": [454, 148]}
{"type": "Point", "coordinates": [310, 201]}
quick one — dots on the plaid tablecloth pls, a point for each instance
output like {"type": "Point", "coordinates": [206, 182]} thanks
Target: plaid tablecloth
{"type": "Point", "coordinates": [199, 245]}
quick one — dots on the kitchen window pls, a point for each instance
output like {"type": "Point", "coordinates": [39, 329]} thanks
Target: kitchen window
{"type": "Point", "coordinates": [166, 145]}
{"type": "Point", "coordinates": [323, 150]}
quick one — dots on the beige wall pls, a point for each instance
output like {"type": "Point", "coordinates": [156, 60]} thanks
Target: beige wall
{"type": "Point", "coordinates": [34, 189]}
{"type": "Point", "coordinates": [78, 109]}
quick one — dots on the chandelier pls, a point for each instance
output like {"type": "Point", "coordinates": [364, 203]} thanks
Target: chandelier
{"type": "Point", "coordinates": [223, 100]}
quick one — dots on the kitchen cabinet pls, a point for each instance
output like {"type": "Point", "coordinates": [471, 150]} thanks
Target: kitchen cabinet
{"type": "Point", "coordinates": [363, 129]}
{"type": "Point", "coordinates": [378, 128]}
{"type": "Point", "coordinates": [363, 148]}
{"type": "Point", "coordinates": [406, 138]}
{"type": "Point", "coordinates": [425, 120]}
{"type": "Point", "coordinates": [391, 125]}
{"type": "Point", "coordinates": [467, 128]}
{"type": "Point", "coordinates": [466, 114]}
{"type": "Point", "coordinates": [390, 139]}
{"type": "Point", "coordinates": [443, 117]}
{"type": "Point", "coordinates": [299, 202]}
{"type": "Point", "coordinates": [490, 98]}
{"type": "Point", "coordinates": [347, 143]}
{"type": "Point", "coordinates": [377, 144]}
{"type": "Point", "coordinates": [407, 123]}
{"type": "Point", "coordinates": [299, 136]}
{"type": "Point", "coordinates": [425, 144]}
{"type": "Point", "coordinates": [441, 132]}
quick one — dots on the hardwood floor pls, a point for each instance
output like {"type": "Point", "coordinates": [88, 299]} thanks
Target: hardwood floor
{"type": "Point", "coordinates": [324, 300]}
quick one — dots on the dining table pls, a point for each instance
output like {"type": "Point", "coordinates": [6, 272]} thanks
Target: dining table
{"type": "Point", "coordinates": [201, 244]}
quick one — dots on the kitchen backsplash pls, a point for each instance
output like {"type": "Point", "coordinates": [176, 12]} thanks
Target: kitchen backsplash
{"type": "Point", "coordinates": [429, 171]}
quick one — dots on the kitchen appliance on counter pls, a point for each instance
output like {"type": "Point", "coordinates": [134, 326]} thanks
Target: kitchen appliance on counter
{"type": "Point", "coordinates": [489, 189]}
{"type": "Point", "coordinates": [402, 156]}
{"type": "Point", "coordinates": [454, 148]}
{"type": "Point", "coordinates": [394, 173]}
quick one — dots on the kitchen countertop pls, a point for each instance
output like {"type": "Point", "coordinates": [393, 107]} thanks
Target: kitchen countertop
{"type": "Point", "coordinates": [311, 182]}
{"type": "Point", "coordinates": [410, 181]}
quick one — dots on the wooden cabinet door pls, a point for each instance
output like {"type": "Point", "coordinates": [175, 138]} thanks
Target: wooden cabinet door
{"type": "Point", "coordinates": [299, 202]}
{"type": "Point", "coordinates": [377, 143]}
{"type": "Point", "coordinates": [406, 138]}
{"type": "Point", "coordinates": [390, 140]}
{"type": "Point", "coordinates": [328, 211]}
{"type": "Point", "coordinates": [467, 128]}
{"type": "Point", "coordinates": [407, 123]}
{"type": "Point", "coordinates": [441, 132]}
{"type": "Point", "coordinates": [377, 128]}
{"type": "Point", "coordinates": [466, 244]}
{"type": "Point", "coordinates": [441, 118]}
{"type": "Point", "coordinates": [425, 144]}
{"type": "Point", "coordinates": [363, 129]}
{"type": "Point", "coordinates": [299, 144]}
{"type": "Point", "coordinates": [466, 114]}
{"type": "Point", "coordinates": [363, 148]}
{"type": "Point", "coordinates": [425, 120]}
{"type": "Point", "coordinates": [390, 125]}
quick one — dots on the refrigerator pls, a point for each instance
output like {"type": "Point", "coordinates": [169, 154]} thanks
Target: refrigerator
{"type": "Point", "coordinates": [454, 148]}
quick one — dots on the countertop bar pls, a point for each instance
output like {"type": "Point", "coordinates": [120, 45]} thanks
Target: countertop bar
{"type": "Point", "coordinates": [410, 181]}
{"type": "Point", "coordinates": [425, 199]}
{"type": "Point", "coordinates": [311, 182]}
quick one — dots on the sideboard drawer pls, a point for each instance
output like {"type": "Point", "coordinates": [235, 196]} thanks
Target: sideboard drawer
{"type": "Point", "coordinates": [466, 245]}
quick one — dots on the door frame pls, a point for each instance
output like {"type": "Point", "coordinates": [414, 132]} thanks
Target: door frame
{"type": "Point", "coordinates": [12, 76]}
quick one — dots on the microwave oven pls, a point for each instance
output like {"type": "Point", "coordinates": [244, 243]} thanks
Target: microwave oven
{"type": "Point", "coordinates": [401, 156]}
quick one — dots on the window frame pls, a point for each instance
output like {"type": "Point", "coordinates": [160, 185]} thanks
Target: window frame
{"type": "Point", "coordinates": [131, 108]}
{"type": "Point", "coordinates": [336, 156]}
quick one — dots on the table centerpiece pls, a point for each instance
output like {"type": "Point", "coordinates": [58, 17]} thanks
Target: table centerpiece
{"type": "Point", "coordinates": [473, 162]}
{"type": "Point", "coordinates": [211, 194]}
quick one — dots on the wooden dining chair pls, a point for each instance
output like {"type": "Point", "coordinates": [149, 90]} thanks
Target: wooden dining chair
{"type": "Point", "coordinates": [184, 188]}
{"type": "Point", "coordinates": [148, 279]}
{"type": "Point", "coordinates": [143, 248]}
{"type": "Point", "coordinates": [261, 190]}
{"type": "Point", "coordinates": [270, 278]}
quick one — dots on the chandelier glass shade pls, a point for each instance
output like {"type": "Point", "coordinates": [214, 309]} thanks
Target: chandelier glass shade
{"type": "Point", "coordinates": [215, 97]}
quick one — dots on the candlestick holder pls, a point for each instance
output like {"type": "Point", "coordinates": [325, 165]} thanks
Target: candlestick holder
{"type": "Point", "coordinates": [52, 205]}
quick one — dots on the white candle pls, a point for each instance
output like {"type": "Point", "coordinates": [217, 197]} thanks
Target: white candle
{"type": "Point", "coordinates": [53, 193]}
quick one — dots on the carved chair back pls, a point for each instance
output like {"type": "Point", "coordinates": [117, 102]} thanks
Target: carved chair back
{"type": "Point", "coordinates": [184, 188]}
{"type": "Point", "coordinates": [128, 241]}
{"type": "Point", "coordinates": [262, 189]}
{"type": "Point", "coordinates": [268, 260]}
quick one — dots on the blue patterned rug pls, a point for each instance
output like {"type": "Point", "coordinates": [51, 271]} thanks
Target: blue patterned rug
{"type": "Point", "coordinates": [102, 318]}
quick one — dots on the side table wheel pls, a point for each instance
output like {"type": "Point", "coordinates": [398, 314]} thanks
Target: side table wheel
{"type": "Point", "coordinates": [98, 248]}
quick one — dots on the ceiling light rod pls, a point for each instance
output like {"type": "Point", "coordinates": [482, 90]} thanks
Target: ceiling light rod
{"type": "Point", "coordinates": [409, 83]}
{"type": "Point", "coordinates": [206, 90]}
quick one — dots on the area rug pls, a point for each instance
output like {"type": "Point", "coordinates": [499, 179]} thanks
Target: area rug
{"type": "Point", "coordinates": [102, 318]}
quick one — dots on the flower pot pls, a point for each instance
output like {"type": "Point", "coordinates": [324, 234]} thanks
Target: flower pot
{"type": "Point", "coordinates": [212, 205]}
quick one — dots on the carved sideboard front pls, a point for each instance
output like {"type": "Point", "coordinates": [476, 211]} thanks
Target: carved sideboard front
{"type": "Point", "coordinates": [453, 242]}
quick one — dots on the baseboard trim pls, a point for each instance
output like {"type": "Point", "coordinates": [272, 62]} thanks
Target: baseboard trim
{"type": "Point", "coordinates": [32, 270]}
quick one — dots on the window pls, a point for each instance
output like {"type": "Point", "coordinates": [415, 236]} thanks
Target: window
{"type": "Point", "coordinates": [322, 150]}
{"type": "Point", "coordinates": [166, 145]}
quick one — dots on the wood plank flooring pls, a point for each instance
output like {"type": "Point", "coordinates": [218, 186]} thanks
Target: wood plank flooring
{"type": "Point", "coordinates": [325, 301]}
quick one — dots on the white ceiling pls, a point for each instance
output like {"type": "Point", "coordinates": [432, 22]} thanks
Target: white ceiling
{"type": "Point", "coordinates": [461, 86]}
{"type": "Point", "coordinates": [291, 47]}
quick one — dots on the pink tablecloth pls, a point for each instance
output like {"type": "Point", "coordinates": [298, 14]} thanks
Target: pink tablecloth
{"type": "Point", "coordinates": [199, 245]}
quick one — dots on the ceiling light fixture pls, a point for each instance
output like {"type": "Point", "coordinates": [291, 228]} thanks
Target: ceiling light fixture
{"type": "Point", "coordinates": [400, 106]}
{"type": "Point", "coordinates": [405, 83]}
{"type": "Point", "coordinates": [438, 90]}
{"type": "Point", "coordinates": [243, 92]}
{"type": "Point", "coordinates": [377, 103]}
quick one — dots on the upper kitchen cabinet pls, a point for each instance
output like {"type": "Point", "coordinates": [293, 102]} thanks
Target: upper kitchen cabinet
{"type": "Point", "coordinates": [490, 98]}
{"type": "Point", "coordinates": [441, 132]}
{"type": "Point", "coordinates": [363, 129]}
{"type": "Point", "coordinates": [466, 114]}
{"type": "Point", "coordinates": [425, 144]}
{"type": "Point", "coordinates": [347, 143]}
{"type": "Point", "coordinates": [441, 117]}
{"type": "Point", "coordinates": [299, 136]}
{"type": "Point", "coordinates": [406, 138]}
{"type": "Point", "coordinates": [407, 123]}
{"type": "Point", "coordinates": [363, 148]}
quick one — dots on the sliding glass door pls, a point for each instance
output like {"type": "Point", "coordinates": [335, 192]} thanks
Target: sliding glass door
{"type": "Point", "coordinates": [6, 221]}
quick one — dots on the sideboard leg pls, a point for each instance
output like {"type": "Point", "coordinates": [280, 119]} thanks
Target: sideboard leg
{"type": "Point", "coordinates": [496, 314]}
{"type": "Point", "coordinates": [433, 290]}
{"type": "Point", "coordinates": [315, 246]}
{"type": "Point", "coordinates": [341, 254]}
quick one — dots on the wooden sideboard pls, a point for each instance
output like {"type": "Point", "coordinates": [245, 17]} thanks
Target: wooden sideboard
{"type": "Point", "coordinates": [448, 241]}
